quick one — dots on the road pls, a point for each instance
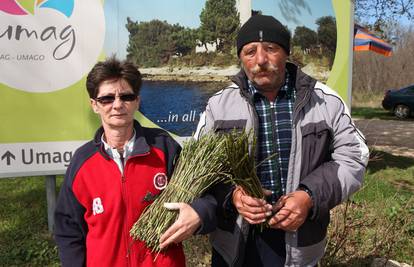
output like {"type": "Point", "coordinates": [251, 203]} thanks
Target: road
{"type": "Point", "coordinates": [392, 136]}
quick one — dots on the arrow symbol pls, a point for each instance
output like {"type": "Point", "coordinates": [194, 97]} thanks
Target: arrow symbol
{"type": "Point", "coordinates": [8, 156]}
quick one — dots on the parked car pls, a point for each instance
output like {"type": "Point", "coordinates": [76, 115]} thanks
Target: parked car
{"type": "Point", "coordinates": [400, 101]}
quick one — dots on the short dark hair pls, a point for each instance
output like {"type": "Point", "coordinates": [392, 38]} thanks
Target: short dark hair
{"type": "Point", "coordinates": [113, 69]}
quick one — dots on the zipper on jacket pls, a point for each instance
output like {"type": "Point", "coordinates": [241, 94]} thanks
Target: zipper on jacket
{"type": "Point", "coordinates": [125, 230]}
{"type": "Point", "coordinates": [255, 119]}
{"type": "Point", "coordinates": [300, 105]}
{"type": "Point", "coordinates": [126, 205]}
{"type": "Point", "coordinates": [294, 137]}
{"type": "Point", "coordinates": [125, 214]}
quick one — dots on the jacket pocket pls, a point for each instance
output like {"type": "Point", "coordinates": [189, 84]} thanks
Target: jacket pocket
{"type": "Point", "coordinates": [225, 126]}
{"type": "Point", "coordinates": [316, 142]}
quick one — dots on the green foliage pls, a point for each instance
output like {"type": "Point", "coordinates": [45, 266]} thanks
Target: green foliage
{"type": "Point", "coordinates": [309, 46]}
{"type": "Point", "coordinates": [184, 41]}
{"type": "Point", "coordinates": [305, 38]}
{"type": "Point", "coordinates": [371, 113]}
{"type": "Point", "coordinates": [24, 237]}
{"type": "Point", "coordinates": [205, 59]}
{"type": "Point", "coordinates": [157, 43]}
{"type": "Point", "coordinates": [379, 221]}
{"type": "Point", "coordinates": [327, 35]}
{"type": "Point", "coordinates": [219, 24]}
{"type": "Point", "coordinates": [153, 43]}
{"type": "Point", "coordinates": [327, 32]}
{"type": "Point", "coordinates": [203, 163]}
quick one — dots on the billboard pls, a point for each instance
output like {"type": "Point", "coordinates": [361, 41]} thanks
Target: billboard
{"type": "Point", "coordinates": [47, 48]}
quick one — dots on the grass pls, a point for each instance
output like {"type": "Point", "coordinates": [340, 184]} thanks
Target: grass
{"type": "Point", "coordinates": [24, 237]}
{"type": "Point", "coordinates": [378, 222]}
{"type": "Point", "coordinates": [371, 113]}
{"type": "Point", "coordinates": [368, 105]}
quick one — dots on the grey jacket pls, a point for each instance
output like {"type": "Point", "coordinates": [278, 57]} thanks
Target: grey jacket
{"type": "Point", "coordinates": [328, 156]}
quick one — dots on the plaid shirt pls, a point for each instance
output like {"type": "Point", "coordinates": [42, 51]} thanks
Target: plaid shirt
{"type": "Point", "coordinates": [275, 137]}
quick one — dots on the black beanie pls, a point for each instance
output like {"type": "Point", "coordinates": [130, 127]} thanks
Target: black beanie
{"type": "Point", "coordinates": [259, 28]}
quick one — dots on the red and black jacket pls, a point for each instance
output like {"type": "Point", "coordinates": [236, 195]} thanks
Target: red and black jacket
{"type": "Point", "coordinates": [97, 205]}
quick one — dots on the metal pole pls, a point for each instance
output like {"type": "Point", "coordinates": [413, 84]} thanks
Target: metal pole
{"type": "Point", "coordinates": [351, 58]}
{"type": "Point", "coordinates": [51, 200]}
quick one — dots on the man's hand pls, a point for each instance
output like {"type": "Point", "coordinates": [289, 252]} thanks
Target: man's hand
{"type": "Point", "coordinates": [253, 210]}
{"type": "Point", "coordinates": [186, 224]}
{"type": "Point", "coordinates": [293, 213]}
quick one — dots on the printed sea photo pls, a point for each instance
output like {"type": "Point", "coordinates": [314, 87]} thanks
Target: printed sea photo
{"type": "Point", "coordinates": [185, 49]}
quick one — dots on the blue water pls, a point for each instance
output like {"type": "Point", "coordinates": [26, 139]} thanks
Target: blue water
{"type": "Point", "coordinates": [176, 106]}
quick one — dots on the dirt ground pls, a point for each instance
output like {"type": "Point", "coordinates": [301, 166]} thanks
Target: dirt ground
{"type": "Point", "coordinates": [392, 136]}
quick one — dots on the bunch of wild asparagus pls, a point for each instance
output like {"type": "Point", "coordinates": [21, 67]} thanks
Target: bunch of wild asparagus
{"type": "Point", "coordinates": [203, 163]}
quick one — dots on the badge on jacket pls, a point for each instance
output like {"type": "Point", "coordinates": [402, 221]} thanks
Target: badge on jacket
{"type": "Point", "coordinates": [160, 181]}
{"type": "Point", "coordinates": [97, 207]}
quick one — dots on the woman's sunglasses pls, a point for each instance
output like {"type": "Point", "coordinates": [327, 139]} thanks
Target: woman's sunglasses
{"type": "Point", "coordinates": [109, 99]}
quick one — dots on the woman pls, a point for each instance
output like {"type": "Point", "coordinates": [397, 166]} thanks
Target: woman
{"type": "Point", "coordinates": [112, 178]}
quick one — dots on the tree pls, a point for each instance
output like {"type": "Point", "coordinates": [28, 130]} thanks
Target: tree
{"type": "Point", "coordinates": [184, 40]}
{"type": "Point", "coordinates": [153, 43]}
{"type": "Point", "coordinates": [205, 37]}
{"type": "Point", "coordinates": [219, 24]}
{"type": "Point", "coordinates": [327, 33]}
{"type": "Point", "coordinates": [304, 37]}
{"type": "Point", "coordinates": [379, 13]}
{"type": "Point", "coordinates": [327, 36]}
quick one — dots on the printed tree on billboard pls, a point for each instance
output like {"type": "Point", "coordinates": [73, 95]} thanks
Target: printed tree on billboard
{"type": "Point", "coordinates": [219, 24]}
{"type": "Point", "coordinates": [305, 38]}
{"type": "Point", "coordinates": [153, 43]}
{"type": "Point", "coordinates": [327, 35]}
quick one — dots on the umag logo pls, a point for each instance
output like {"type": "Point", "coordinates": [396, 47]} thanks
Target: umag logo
{"type": "Point", "coordinates": [25, 7]}
{"type": "Point", "coordinates": [51, 43]}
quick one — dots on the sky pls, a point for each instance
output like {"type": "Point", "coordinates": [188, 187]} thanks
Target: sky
{"type": "Point", "coordinates": [187, 12]}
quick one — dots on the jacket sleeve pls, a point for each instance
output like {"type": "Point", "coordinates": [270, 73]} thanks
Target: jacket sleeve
{"type": "Point", "coordinates": [70, 228]}
{"type": "Point", "coordinates": [336, 180]}
{"type": "Point", "coordinates": [206, 123]}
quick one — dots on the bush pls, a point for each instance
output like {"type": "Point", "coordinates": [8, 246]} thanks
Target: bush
{"type": "Point", "coordinates": [204, 59]}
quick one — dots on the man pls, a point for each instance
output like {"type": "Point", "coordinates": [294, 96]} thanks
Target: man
{"type": "Point", "coordinates": [113, 178]}
{"type": "Point", "coordinates": [320, 156]}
